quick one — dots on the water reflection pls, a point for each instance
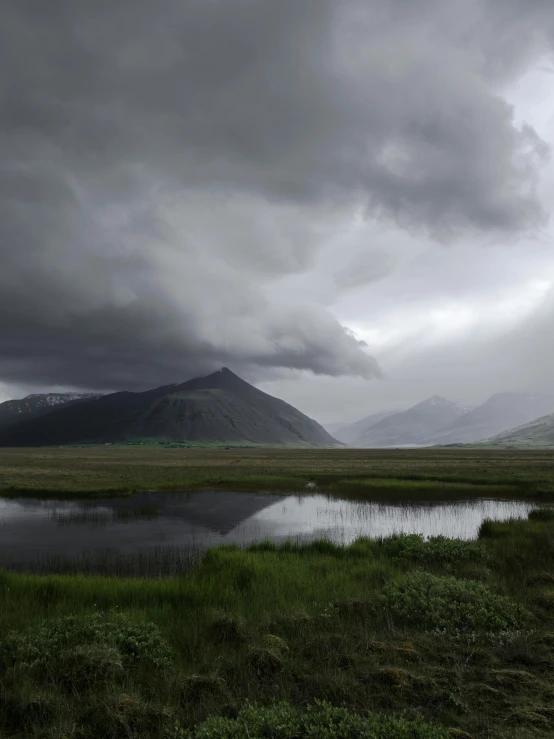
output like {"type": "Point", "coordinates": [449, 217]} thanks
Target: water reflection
{"type": "Point", "coordinates": [159, 527]}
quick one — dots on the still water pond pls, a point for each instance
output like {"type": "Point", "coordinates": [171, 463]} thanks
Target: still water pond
{"type": "Point", "coordinates": [158, 533]}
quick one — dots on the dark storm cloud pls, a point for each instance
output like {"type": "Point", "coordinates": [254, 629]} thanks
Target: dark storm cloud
{"type": "Point", "coordinates": [162, 162]}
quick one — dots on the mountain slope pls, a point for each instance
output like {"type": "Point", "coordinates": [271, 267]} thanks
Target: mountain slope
{"type": "Point", "coordinates": [14, 411]}
{"type": "Point", "coordinates": [218, 408]}
{"type": "Point", "coordinates": [351, 432]}
{"type": "Point", "coordinates": [499, 413]}
{"type": "Point", "coordinates": [412, 426]}
{"type": "Point", "coordinates": [536, 434]}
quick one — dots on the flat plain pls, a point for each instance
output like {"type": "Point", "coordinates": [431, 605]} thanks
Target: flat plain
{"type": "Point", "coordinates": [371, 474]}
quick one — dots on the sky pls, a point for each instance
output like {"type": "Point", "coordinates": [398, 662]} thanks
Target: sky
{"type": "Point", "coordinates": [345, 202]}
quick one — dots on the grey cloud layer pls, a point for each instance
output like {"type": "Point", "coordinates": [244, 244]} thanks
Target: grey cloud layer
{"type": "Point", "coordinates": [164, 164]}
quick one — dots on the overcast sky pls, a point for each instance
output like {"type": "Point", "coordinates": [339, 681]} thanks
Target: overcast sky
{"type": "Point", "coordinates": [345, 202]}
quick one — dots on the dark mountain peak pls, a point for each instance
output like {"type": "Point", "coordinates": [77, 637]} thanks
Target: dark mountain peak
{"type": "Point", "coordinates": [223, 372]}
{"type": "Point", "coordinates": [222, 379]}
{"type": "Point", "coordinates": [224, 375]}
{"type": "Point", "coordinates": [220, 407]}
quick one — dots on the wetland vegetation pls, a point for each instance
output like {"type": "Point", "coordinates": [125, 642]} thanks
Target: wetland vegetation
{"type": "Point", "coordinates": [402, 637]}
{"type": "Point", "coordinates": [404, 474]}
{"type": "Point", "coordinates": [459, 633]}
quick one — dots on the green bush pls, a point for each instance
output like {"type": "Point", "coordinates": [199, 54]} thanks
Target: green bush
{"type": "Point", "coordinates": [97, 642]}
{"type": "Point", "coordinates": [87, 672]}
{"type": "Point", "coordinates": [320, 721]}
{"type": "Point", "coordinates": [445, 603]}
{"type": "Point", "coordinates": [437, 550]}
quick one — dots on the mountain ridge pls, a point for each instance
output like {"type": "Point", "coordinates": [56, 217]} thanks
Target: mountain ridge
{"type": "Point", "coordinates": [500, 412]}
{"type": "Point", "coordinates": [218, 408]}
{"type": "Point", "coordinates": [536, 434]}
{"type": "Point", "coordinates": [412, 426]}
{"type": "Point", "coordinates": [348, 433]}
{"type": "Point", "coordinates": [37, 404]}
{"type": "Point", "coordinates": [452, 423]}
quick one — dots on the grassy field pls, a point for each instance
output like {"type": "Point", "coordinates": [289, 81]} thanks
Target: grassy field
{"type": "Point", "coordinates": [370, 474]}
{"type": "Point", "coordinates": [460, 632]}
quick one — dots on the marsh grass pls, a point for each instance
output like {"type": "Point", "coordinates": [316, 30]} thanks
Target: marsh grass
{"type": "Point", "coordinates": [151, 562]}
{"type": "Point", "coordinates": [423, 474]}
{"type": "Point", "coordinates": [140, 513]}
{"type": "Point", "coordinates": [376, 626]}
{"type": "Point", "coordinates": [89, 516]}
{"type": "Point", "coordinates": [80, 517]}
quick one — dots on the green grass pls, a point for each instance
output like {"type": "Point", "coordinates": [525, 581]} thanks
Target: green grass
{"type": "Point", "coordinates": [459, 632]}
{"type": "Point", "coordinates": [423, 474]}
{"type": "Point", "coordinates": [321, 720]}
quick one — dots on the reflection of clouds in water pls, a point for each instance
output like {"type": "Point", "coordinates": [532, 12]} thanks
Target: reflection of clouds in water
{"type": "Point", "coordinates": [345, 521]}
{"type": "Point", "coordinates": [201, 520]}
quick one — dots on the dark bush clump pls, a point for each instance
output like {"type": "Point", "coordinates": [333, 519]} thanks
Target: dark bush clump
{"type": "Point", "coordinates": [227, 629]}
{"type": "Point", "coordinates": [542, 514]}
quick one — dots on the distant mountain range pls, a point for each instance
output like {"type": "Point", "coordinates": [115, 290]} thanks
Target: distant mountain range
{"type": "Point", "coordinates": [224, 409]}
{"type": "Point", "coordinates": [219, 408]}
{"type": "Point", "coordinates": [412, 426]}
{"type": "Point", "coordinates": [437, 421]}
{"type": "Point", "coordinates": [34, 406]}
{"type": "Point", "coordinates": [500, 412]}
{"type": "Point", "coordinates": [350, 433]}
{"type": "Point", "coordinates": [534, 435]}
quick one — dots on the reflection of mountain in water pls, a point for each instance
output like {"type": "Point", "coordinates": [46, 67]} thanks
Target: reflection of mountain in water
{"type": "Point", "coordinates": [219, 512]}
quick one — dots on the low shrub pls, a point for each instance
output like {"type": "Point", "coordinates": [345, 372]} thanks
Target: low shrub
{"type": "Point", "coordinates": [265, 660]}
{"type": "Point", "coordinates": [79, 671]}
{"type": "Point", "coordinates": [443, 602]}
{"type": "Point", "coordinates": [292, 622]}
{"type": "Point", "coordinates": [96, 642]}
{"type": "Point", "coordinates": [86, 666]}
{"type": "Point", "coordinates": [436, 550]}
{"type": "Point", "coordinates": [193, 687]}
{"type": "Point", "coordinates": [319, 721]}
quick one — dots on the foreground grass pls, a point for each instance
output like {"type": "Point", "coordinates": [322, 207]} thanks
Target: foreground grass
{"type": "Point", "coordinates": [460, 632]}
{"type": "Point", "coordinates": [368, 474]}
